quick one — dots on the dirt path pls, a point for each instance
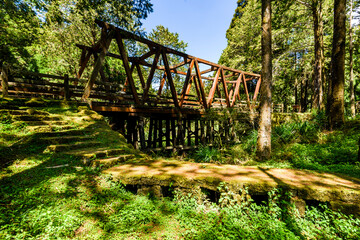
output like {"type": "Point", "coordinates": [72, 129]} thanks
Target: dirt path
{"type": "Point", "coordinates": [337, 190]}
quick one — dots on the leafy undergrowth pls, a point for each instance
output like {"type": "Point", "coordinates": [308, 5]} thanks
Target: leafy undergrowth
{"type": "Point", "coordinates": [75, 202]}
{"type": "Point", "coordinates": [52, 195]}
{"type": "Point", "coordinates": [298, 145]}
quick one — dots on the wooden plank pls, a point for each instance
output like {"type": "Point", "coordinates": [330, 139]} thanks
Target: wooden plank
{"type": "Point", "coordinates": [201, 84]}
{"type": "Point", "coordinates": [162, 83]}
{"type": "Point", "coordinates": [196, 133]}
{"type": "Point", "coordinates": [197, 89]}
{"type": "Point", "coordinates": [167, 132]}
{"type": "Point", "coordinates": [150, 77]}
{"type": "Point", "coordinates": [124, 56]}
{"type": "Point", "coordinates": [246, 92]}
{"type": "Point", "coordinates": [127, 79]}
{"type": "Point", "coordinates": [98, 64]}
{"type": "Point", "coordinates": [186, 83]}
{"type": "Point", "coordinates": [155, 136]}
{"type": "Point", "coordinates": [83, 62]}
{"type": "Point", "coordinates": [141, 126]}
{"type": "Point", "coordinates": [173, 132]}
{"type": "Point", "coordinates": [173, 67]}
{"type": "Point", "coordinates": [169, 77]}
{"type": "Point", "coordinates": [189, 132]}
{"type": "Point", "coordinates": [202, 131]}
{"type": "Point", "coordinates": [150, 135]}
{"type": "Point", "coordinates": [141, 77]}
{"type": "Point", "coordinates": [66, 88]}
{"type": "Point", "coordinates": [213, 88]}
{"type": "Point", "coordinates": [257, 89]}
{"type": "Point", "coordinates": [225, 87]}
{"type": "Point", "coordinates": [160, 133]}
{"type": "Point", "coordinates": [237, 88]}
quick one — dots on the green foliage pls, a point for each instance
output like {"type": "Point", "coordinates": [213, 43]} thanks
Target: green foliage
{"type": "Point", "coordinates": [165, 37]}
{"type": "Point", "coordinates": [18, 31]}
{"type": "Point", "coordinates": [206, 154]}
{"type": "Point", "coordinates": [277, 219]}
{"type": "Point", "coordinates": [41, 35]}
{"type": "Point", "coordinates": [38, 201]}
{"type": "Point", "coordinates": [292, 46]}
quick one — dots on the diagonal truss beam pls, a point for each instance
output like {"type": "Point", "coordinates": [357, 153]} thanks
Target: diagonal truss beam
{"type": "Point", "coordinates": [206, 87]}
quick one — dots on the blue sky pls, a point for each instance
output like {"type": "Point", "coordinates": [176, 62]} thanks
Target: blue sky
{"type": "Point", "coordinates": [200, 23]}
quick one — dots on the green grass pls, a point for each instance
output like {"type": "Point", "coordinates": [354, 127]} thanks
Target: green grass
{"type": "Point", "coordinates": [54, 196]}
{"type": "Point", "coordinates": [298, 145]}
{"type": "Point", "coordinates": [78, 202]}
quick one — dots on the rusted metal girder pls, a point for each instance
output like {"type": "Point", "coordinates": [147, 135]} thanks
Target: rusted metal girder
{"type": "Point", "coordinates": [206, 87]}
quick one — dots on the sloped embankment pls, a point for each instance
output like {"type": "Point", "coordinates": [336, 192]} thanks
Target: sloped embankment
{"type": "Point", "coordinates": [38, 126]}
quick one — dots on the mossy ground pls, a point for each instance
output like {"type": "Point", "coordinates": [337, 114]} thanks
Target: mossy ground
{"type": "Point", "coordinates": [53, 195]}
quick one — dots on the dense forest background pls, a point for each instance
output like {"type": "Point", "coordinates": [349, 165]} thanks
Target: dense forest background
{"type": "Point", "coordinates": [302, 33]}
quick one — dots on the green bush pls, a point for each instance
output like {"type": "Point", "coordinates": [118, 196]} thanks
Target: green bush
{"type": "Point", "coordinates": [206, 154]}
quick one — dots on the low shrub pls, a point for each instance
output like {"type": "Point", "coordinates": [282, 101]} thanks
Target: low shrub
{"type": "Point", "coordinates": [206, 154]}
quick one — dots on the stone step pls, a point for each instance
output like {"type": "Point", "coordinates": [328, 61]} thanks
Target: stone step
{"type": "Point", "coordinates": [66, 132]}
{"type": "Point", "coordinates": [66, 139]}
{"type": "Point", "coordinates": [48, 128]}
{"type": "Point", "coordinates": [72, 146]}
{"type": "Point", "coordinates": [92, 153]}
{"type": "Point", "coordinates": [35, 118]}
{"type": "Point", "coordinates": [43, 123]}
{"type": "Point", "coordinates": [29, 111]}
{"type": "Point", "coordinates": [110, 162]}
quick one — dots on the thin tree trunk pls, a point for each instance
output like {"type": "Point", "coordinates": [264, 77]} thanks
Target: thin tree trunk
{"type": "Point", "coordinates": [351, 63]}
{"type": "Point", "coordinates": [304, 92]}
{"type": "Point", "coordinates": [264, 134]}
{"type": "Point", "coordinates": [319, 55]}
{"type": "Point", "coordinates": [336, 103]}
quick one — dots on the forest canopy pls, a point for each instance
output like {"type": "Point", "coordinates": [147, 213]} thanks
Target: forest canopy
{"type": "Point", "coordinates": [302, 32]}
{"type": "Point", "coordinates": [41, 35]}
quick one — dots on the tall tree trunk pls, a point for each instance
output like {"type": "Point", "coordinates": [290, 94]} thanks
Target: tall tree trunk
{"type": "Point", "coordinates": [304, 92]}
{"type": "Point", "coordinates": [317, 102]}
{"type": "Point", "coordinates": [336, 99]}
{"type": "Point", "coordinates": [351, 63]}
{"type": "Point", "coordinates": [263, 151]}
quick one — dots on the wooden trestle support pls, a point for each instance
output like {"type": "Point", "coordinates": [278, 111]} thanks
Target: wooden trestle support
{"type": "Point", "coordinates": [174, 120]}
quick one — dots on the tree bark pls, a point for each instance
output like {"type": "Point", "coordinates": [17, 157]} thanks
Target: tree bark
{"type": "Point", "coordinates": [319, 55]}
{"type": "Point", "coordinates": [351, 64]}
{"type": "Point", "coordinates": [263, 150]}
{"type": "Point", "coordinates": [336, 97]}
